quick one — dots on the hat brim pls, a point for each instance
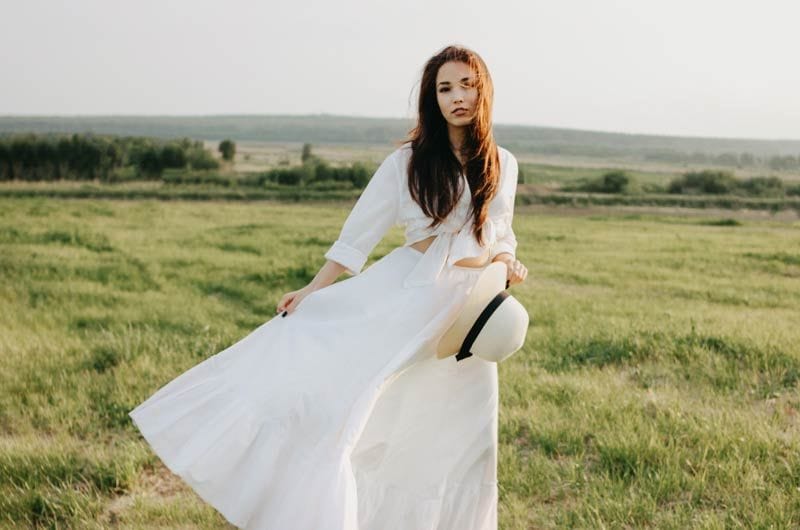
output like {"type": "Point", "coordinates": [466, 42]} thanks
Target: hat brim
{"type": "Point", "coordinates": [491, 281]}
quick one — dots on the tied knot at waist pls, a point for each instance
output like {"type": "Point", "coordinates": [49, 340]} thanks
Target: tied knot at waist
{"type": "Point", "coordinates": [446, 249]}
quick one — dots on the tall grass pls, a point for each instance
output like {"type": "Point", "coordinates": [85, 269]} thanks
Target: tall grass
{"type": "Point", "coordinates": [658, 386]}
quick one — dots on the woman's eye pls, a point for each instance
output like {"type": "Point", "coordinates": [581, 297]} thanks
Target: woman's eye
{"type": "Point", "coordinates": [443, 89]}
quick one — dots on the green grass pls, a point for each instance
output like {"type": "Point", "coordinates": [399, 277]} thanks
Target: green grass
{"type": "Point", "coordinates": [146, 191]}
{"type": "Point", "coordinates": [658, 386]}
{"type": "Point", "coordinates": [661, 200]}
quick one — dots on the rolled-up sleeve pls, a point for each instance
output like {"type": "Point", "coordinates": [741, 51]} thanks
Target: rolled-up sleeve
{"type": "Point", "coordinates": [375, 212]}
{"type": "Point", "coordinates": [507, 240]}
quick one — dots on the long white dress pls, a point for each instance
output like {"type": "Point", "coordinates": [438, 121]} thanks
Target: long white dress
{"type": "Point", "coordinates": [340, 416]}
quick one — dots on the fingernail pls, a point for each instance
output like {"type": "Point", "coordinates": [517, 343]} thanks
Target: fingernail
{"type": "Point", "coordinates": [284, 313]}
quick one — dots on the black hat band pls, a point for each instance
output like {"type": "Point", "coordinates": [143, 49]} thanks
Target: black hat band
{"type": "Point", "coordinates": [476, 328]}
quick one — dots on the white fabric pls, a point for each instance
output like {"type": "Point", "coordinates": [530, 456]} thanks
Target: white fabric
{"type": "Point", "coordinates": [387, 202]}
{"type": "Point", "coordinates": [340, 416]}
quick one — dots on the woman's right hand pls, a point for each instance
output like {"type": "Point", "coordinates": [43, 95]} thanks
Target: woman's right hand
{"type": "Point", "coordinates": [517, 272]}
{"type": "Point", "coordinates": [292, 299]}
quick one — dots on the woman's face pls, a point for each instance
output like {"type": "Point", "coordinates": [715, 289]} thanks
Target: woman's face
{"type": "Point", "coordinates": [455, 89]}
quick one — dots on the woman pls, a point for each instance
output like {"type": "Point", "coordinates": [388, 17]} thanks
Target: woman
{"type": "Point", "coordinates": [338, 414]}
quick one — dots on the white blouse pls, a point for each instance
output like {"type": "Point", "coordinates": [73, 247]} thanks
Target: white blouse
{"type": "Point", "coordinates": [386, 202]}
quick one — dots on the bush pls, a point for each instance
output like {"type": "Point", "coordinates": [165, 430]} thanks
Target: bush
{"type": "Point", "coordinates": [173, 155]}
{"type": "Point", "coordinates": [616, 181]}
{"type": "Point", "coordinates": [763, 187]}
{"type": "Point", "coordinates": [330, 185]}
{"type": "Point", "coordinates": [203, 177]}
{"type": "Point", "coordinates": [723, 182]}
{"type": "Point", "coordinates": [704, 182]}
{"type": "Point", "coordinates": [322, 171]}
{"type": "Point", "coordinates": [360, 174]}
{"type": "Point", "coordinates": [149, 164]}
{"type": "Point", "coordinates": [289, 176]}
{"type": "Point", "coordinates": [316, 174]}
{"type": "Point", "coordinates": [256, 179]}
{"type": "Point", "coordinates": [199, 158]}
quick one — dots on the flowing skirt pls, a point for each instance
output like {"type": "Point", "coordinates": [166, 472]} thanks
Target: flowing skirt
{"type": "Point", "coordinates": [339, 416]}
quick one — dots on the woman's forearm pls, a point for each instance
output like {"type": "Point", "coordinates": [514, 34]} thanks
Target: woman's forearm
{"type": "Point", "coordinates": [327, 275]}
{"type": "Point", "coordinates": [506, 257]}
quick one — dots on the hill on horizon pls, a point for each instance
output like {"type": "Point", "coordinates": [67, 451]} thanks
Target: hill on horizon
{"type": "Point", "coordinates": [333, 129]}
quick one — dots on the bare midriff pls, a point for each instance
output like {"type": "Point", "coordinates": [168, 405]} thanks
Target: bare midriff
{"type": "Point", "coordinates": [423, 244]}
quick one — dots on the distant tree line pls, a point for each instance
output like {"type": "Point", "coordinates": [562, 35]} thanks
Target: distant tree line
{"type": "Point", "coordinates": [710, 182]}
{"type": "Point", "coordinates": [774, 162]}
{"type": "Point", "coordinates": [101, 157]}
{"type": "Point", "coordinates": [313, 172]}
{"type": "Point", "coordinates": [706, 182]}
{"type": "Point", "coordinates": [107, 158]}
{"type": "Point", "coordinates": [316, 171]}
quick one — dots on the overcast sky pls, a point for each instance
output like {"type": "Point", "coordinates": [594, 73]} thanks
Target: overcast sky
{"type": "Point", "coordinates": [725, 68]}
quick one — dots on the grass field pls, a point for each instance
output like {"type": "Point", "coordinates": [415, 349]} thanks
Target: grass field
{"type": "Point", "coordinates": [527, 194]}
{"type": "Point", "coordinates": [659, 385]}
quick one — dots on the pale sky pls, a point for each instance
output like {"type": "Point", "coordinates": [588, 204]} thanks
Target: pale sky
{"type": "Point", "coordinates": [725, 68]}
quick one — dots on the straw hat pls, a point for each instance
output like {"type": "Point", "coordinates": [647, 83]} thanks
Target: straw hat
{"type": "Point", "coordinates": [492, 324]}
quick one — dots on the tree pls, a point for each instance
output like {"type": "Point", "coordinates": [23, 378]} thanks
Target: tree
{"type": "Point", "coordinates": [150, 163]}
{"type": "Point", "coordinates": [763, 187]}
{"type": "Point", "coordinates": [5, 161]}
{"type": "Point", "coordinates": [228, 149]}
{"type": "Point", "coordinates": [615, 182]}
{"type": "Point", "coordinates": [173, 155]}
{"type": "Point", "coordinates": [306, 153]}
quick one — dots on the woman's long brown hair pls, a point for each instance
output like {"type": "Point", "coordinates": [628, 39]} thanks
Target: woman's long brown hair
{"type": "Point", "coordinates": [434, 170]}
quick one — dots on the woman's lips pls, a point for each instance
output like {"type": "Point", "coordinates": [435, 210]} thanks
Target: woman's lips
{"type": "Point", "coordinates": [459, 112]}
